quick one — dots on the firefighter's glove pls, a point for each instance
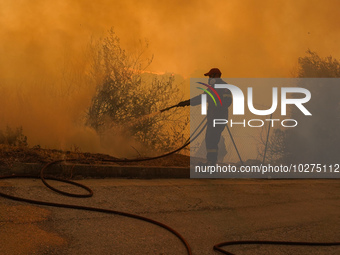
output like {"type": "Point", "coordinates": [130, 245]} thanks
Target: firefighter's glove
{"type": "Point", "coordinates": [184, 103]}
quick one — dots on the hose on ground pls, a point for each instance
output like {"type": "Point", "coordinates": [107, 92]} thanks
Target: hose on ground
{"type": "Point", "coordinates": [217, 247]}
{"type": "Point", "coordinates": [89, 193]}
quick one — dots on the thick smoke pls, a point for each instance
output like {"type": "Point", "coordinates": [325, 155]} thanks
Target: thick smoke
{"type": "Point", "coordinates": [43, 50]}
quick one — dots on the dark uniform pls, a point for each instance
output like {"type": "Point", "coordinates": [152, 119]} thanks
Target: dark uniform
{"type": "Point", "coordinates": [213, 134]}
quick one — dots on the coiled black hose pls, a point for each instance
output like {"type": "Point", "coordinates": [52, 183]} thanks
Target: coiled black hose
{"type": "Point", "coordinates": [89, 193]}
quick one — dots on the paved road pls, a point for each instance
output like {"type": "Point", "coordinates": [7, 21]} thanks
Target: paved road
{"type": "Point", "coordinates": [205, 212]}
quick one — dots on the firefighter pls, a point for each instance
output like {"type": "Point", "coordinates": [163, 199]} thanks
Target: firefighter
{"type": "Point", "coordinates": [213, 134]}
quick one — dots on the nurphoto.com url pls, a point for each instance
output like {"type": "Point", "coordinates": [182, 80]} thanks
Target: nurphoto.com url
{"type": "Point", "coordinates": [269, 168]}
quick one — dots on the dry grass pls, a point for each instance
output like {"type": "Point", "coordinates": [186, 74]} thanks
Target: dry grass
{"type": "Point", "coordinates": [12, 154]}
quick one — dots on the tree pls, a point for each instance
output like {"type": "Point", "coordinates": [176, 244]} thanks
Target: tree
{"type": "Point", "coordinates": [313, 66]}
{"type": "Point", "coordinates": [315, 139]}
{"type": "Point", "coordinates": [125, 93]}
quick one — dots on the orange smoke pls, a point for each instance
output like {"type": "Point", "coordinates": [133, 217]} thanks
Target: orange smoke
{"type": "Point", "coordinates": [43, 62]}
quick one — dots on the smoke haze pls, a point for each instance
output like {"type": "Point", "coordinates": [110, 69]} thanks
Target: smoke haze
{"type": "Point", "coordinates": [43, 50]}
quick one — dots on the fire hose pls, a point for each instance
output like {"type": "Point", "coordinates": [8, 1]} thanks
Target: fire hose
{"type": "Point", "coordinates": [89, 193]}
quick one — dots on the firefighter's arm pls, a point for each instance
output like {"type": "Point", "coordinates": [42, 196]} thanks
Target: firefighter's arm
{"type": "Point", "coordinates": [227, 98]}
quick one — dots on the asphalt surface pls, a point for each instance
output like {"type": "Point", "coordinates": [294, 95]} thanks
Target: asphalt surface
{"type": "Point", "coordinates": [205, 212]}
